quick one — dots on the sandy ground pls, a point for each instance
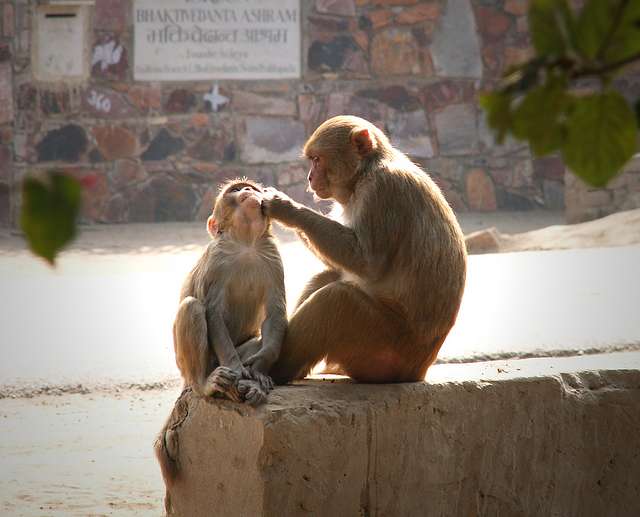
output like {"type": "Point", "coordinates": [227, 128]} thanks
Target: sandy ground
{"type": "Point", "coordinates": [87, 450]}
{"type": "Point", "coordinates": [180, 237]}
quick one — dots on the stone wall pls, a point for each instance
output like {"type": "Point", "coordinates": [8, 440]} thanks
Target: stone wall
{"type": "Point", "coordinates": [584, 203]}
{"type": "Point", "coordinates": [156, 151]}
{"type": "Point", "coordinates": [7, 15]}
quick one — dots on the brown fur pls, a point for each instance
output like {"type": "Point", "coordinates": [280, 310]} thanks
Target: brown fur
{"type": "Point", "coordinates": [232, 315]}
{"type": "Point", "coordinates": [397, 262]}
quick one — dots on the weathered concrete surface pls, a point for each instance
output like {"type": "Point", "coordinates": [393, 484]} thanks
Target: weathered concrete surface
{"type": "Point", "coordinates": [563, 445]}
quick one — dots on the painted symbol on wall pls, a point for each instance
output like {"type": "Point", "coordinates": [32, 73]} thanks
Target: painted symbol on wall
{"type": "Point", "coordinates": [215, 98]}
{"type": "Point", "coordinates": [99, 101]}
{"type": "Point", "coordinates": [107, 54]}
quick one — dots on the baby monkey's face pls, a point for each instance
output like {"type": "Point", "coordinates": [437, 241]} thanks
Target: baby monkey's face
{"type": "Point", "coordinates": [246, 196]}
{"type": "Point", "coordinates": [238, 210]}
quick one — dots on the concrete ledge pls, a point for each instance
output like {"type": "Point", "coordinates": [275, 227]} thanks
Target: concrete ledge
{"type": "Point", "coordinates": [565, 445]}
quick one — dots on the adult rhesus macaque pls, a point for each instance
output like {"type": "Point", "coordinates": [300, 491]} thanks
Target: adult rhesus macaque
{"type": "Point", "coordinates": [396, 265]}
{"type": "Point", "coordinates": [232, 315]}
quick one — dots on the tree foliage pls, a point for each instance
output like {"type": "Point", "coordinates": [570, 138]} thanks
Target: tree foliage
{"type": "Point", "coordinates": [546, 102]}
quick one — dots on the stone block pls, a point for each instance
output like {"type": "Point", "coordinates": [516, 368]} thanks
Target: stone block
{"type": "Point", "coordinates": [163, 198]}
{"type": "Point", "coordinates": [6, 92]}
{"type": "Point", "coordinates": [180, 101]}
{"type": "Point", "coordinates": [456, 127]}
{"type": "Point", "coordinates": [556, 445]}
{"type": "Point", "coordinates": [395, 52]}
{"type": "Point", "coordinates": [312, 111]}
{"type": "Point", "coordinates": [8, 20]}
{"type": "Point", "coordinates": [115, 142]}
{"type": "Point", "coordinates": [493, 23]}
{"type": "Point", "coordinates": [480, 191]}
{"type": "Point", "coordinates": [126, 173]}
{"type": "Point", "coordinates": [455, 49]}
{"type": "Point", "coordinates": [516, 7]}
{"type": "Point", "coordinates": [67, 144]}
{"type": "Point", "coordinates": [5, 163]}
{"type": "Point", "coordinates": [105, 103]}
{"type": "Point", "coordinates": [390, 3]}
{"type": "Point", "coordinates": [217, 144]}
{"type": "Point", "coordinates": [95, 193]}
{"type": "Point", "coordinates": [380, 18]}
{"type": "Point", "coordinates": [272, 140]}
{"type": "Point", "coordinates": [145, 98]}
{"type": "Point", "coordinates": [337, 7]}
{"type": "Point", "coordinates": [409, 133]}
{"type": "Point", "coordinates": [483, 241]}
{"type": "Point", "coordinates": [163, 145]}
{"type": "Point", "coordinates": [442, 93]}
{"type": "Point", "coordinates": [54, 102]}
{"type": "Point", "coordinates": [396, 97]}
{"type": "Point", "coordinates": [5, 205]}
{"type": "Point", "coordinates": [111, 15]}
{"type": "Point", "coordinates": [429, 10]}
{"type": "Point", "coordinates": [330, 56]}
{"type": "Point", "coordinates": [255, 104]}
{"type": "Point", "coordinates": [550, 167]}
{"type": "Point", "coordinates": [553, 192]}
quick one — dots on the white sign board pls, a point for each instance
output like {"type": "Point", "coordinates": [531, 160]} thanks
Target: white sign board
{"type": "Point", "coordinates": [178, 40]}
{"type": "Point", "coordinates": [60, 43]}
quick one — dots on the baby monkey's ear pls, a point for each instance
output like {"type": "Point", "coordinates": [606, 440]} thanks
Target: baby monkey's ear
{"type": "Point", "coordinates": [212, 226]}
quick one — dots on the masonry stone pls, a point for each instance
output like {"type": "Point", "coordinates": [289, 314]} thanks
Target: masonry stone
{"type": "Point", "coordinates": [337, 7]}
{"type": "Point", "coordinates": [395, 52]}
{"type": "Point", "coordinates": [409, 133]}
{"type": "Point", "coordinates": [429, 10]}
{"type": "Point", "coordinates": [272, 140]}
{"type": "Point", "coordinates": [395, 96]}
{"type": "Point", "coordinates": [456, 128]}
{"type": "Point", "coordinates": [456, 48]}
{"type": "Point", "coordinates": [67, 144]}
{"type": "Point", "coordinates": [6, 93]}
{"type": "Point", "coordinates": [256, 104]}
{"type": "Point", "coordinates": [492, 23]}
{"type": "Point", "coordinates": [330, 56]}
{"type": "Point", "coordinates": [163, 145]}
{"type": "Point", "coordinates": [111, 15]}
{"type": "Point", "coordinates": [115, 142]}
{"type": "Point", "coordinates": [481, 195]}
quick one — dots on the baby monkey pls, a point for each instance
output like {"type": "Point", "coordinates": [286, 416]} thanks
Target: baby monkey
{"type": "Point", "coordinates": [232, 315]}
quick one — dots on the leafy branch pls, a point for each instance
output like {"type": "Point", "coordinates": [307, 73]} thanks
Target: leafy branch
{"type": "Point", "coordinates": [552, 101]}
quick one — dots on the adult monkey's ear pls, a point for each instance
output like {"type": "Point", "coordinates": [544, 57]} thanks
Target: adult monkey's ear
{"type": "Point", "coordinates": [212, 226]}
{"type": "Point", "coordinates": [363, 141]}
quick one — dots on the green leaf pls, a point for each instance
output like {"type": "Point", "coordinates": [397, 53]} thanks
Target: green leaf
{"type": "Point", "coordinates": [551, 25]}
{"type": "Point", "coordinates": [540, 117]}
{"type": "Point", "coordinates": [601, 137]}
{"type": "Point", "coordinates": [593, 26]}
{"type": "Point", "coordinates": [625, 42]}
{"type": "Point", "coordinates": [49, 211]}
{"type": "Point", "coordinates": [498, 108]}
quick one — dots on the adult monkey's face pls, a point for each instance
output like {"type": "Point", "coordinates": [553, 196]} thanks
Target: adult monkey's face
{"type": "Point", "coordinates": [335, 151]}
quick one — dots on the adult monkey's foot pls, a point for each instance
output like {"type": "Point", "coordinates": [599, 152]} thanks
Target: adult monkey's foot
{"type": "Point", "coordinates": [252, 392]}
